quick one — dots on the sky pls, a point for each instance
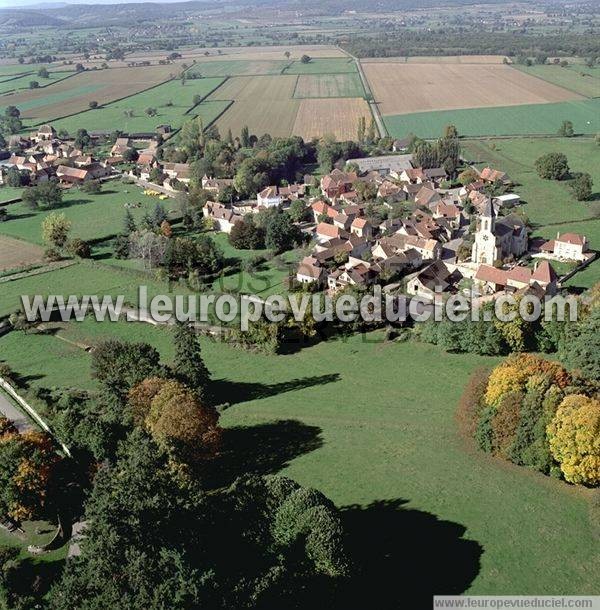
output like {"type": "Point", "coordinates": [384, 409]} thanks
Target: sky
{"type": "Point", "coordinates": [40, 4]}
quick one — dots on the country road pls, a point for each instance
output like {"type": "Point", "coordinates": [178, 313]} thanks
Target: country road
{"type": "Point", "coordinates": [8, 410]}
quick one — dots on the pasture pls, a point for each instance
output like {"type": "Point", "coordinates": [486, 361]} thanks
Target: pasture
{"type": "Point", "coordinates": [334, 116]}
{"type": "Point", "coordinates": [22, 82]}
{"type": "Point", "coordinates": [94, 217]}
{"type": "Point", "coordinates": [259, 89]}
{"type": "Point", "coordinates": [392, 460]}
{"type": "Point", "coordinates": [171, 100]}
{"type": "Point", "coordinates": [322, 66]}
{"type": "Point", "coordinates": [73, 95]}
{"type": "Point", "coordinates": [406, 88]}
{"type": "Point", "coordinates": [507, 120]}
{"type": "Point", "coordinates": [580, 79]}
{"type": "Point", "coordinates": [236, 67]}
{"type": "Point", "coordinates": [329, 85]}
{"type": "Point", "coordinates": [15, 254]}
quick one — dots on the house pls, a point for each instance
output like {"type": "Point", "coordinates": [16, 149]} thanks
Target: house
{"type": "Point", "coordinates": [434, 279]}
{"type": "Point", "coordinates": [269, 197]}
{"type": "Point", "coordinates": [292, 192]}
{"type": "Point", "coordinates": [402, 144]}
{"type": "Point", "coordinates": [310, 271]}
{"type": "Point", "coordinates": [178, 171]}
{"type": "Point", "coordinates": [426, 196]}
{"type": "Point", "coordinates": [492, 280]}
{"type": "Point", "coordinates": [120, 146]}
{"type": "Point", "coordinates": [449, 211]}
{"type": "Point", "coordinates": [325, 232]}
{"type": "Point", "coordinates": [487, 174]}
{"type": "Point", "coordinates": [567, 247]}
{"type": "Point", "coordinates": [223, 217]}
{"type": "Point", "coordinates": [215, 185]}
{"type": "Point", "coordinates": [361, 227]}
{"type": "Point", "coordinates": [354, 273]}
{"type": "Point", "coordinates": [148, 158]}
{"type": "Point", "coordinates": [412, 175]}
{"type": "Point", "coordinates": [45, 132]}
{"type": "Point", "coordinates": [435, 174]}
{"type": "Point", "coordinates": [342, 221]}
{"type": "Point", "coordinates": [391, 191]}
{"type": "Point", "coordinates": [337, 182]}
{"type": "Point", "coordinates": [72, 175]}
{"type": "Point", "coordinates": [320, 209]}
{"type": "Point", "coordinates": [429, 249]}
{"type": "Point", "coordinates": [508, 200]}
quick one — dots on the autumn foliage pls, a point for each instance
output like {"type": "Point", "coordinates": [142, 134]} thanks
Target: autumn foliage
{"type": "Point", "coordinates": [28, 461]}
{"type": "Point", "coordinates": [534, 413]}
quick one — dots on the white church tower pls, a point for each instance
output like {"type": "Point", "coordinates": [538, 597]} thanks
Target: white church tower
{"type": "Point", "coordinates": [485, 251]}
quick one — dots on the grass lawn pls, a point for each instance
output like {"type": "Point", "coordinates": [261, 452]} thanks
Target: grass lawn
{"type": "Point", "coordinates": [171, 100]}
{"type": "Point", "coordinates": [93, 216]}
{"type": "Point", "coordinates": [392, 457]}
{"type": "Point", "coordinates": [504, 120]}
{"type": "Point", "coordinates": [9, 192]}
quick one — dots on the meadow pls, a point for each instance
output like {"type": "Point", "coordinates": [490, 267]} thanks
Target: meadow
{"type": "Point", "coordinates": [580, 79]}
{"type": "Point", "coordinates": [507, 120]}
{"type": "Point", "coordinates": [22, 82]}
{"type": "Point", "coordinates": [392, 459]}
{"type": "Point", "coordinates": [173, 102]}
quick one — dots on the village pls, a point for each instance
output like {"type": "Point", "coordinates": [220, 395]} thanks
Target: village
{"type": "Point", "coordinates": [433, 238]}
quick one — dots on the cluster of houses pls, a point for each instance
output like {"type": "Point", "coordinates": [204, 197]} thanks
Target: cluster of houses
{"type": "Point", "coordinates": [45, 156]}
{"type": "Point", "coordinates": [449, 239]}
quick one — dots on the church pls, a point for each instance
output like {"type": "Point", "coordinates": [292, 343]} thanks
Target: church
{"type": "Point", "coordinates": [497, 239]}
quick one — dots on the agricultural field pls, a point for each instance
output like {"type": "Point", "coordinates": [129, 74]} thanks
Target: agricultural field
{"type": "Point", "coordinates": [479, 519]}
{"type": "Point", "coordinates": [15, 253]}
{"type": "Point", "coordinates": [259, 89]}
{"type": "Point", "coordinates": [329, 85]}
{"type": "Point", "coordinates": [507, 120]}
{"type": "Point", "coordinates": [323, 66]}
{"type": "Point", "coordinates": [73, 95]}
{"type": "Point", "coordinates": [407, 88]}
{"type": "Point", "coordinates": [236, 67]}
{"type": "Point", "coordinates": [22, 82]}
{"type": "Point", "coordinates": [171, 100]}
{"type": "Point", "coordinates": [438, 59]}
{"type": "Point", "coordinates": [338, 117]}
{"type": "Point", "coordinates": [580, 79]}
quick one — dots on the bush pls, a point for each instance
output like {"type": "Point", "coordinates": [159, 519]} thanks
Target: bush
{"type": "Point", "coordinates": [79, 248]}
{"type": "Point", "coordinates": [52, 255]}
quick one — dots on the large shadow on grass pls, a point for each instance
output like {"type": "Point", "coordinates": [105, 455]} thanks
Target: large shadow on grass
{"type": "Point", "coordinates": [402, 557]}
{"type": "Point", "coordinates": [263, 449]}
{"type": "Point", "coordinates": [225, 391]}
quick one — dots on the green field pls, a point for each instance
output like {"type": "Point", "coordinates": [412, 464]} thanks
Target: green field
{"type": "Point", "coordinates": [23, 81]}
{"type": "Point", "coordinates": [171, 100]}
{"type": "Point", "coordinates": [93, 216]}
{"type": "Point", "coordinates": [237, 67]}
{"type": "Point", "coordinates": [329, 85]}
{"type": "Point", "coordinates": [54, 98]}
{"type": "Point", "coordinates": [9, 192]}
{"type": "Point", "coordinates": [549, 204]}
{"type": "Point", "coordinates": [392, 459]}
{"type": "Point", "coordinates": [582, 80]}
{"type": "Point", "coordinates": [506, 120]}
{"type": "Point", "coordinates": [322, 66]}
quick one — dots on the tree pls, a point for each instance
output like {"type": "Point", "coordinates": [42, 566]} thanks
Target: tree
{"type": "Point", "coordinates": [79, 248]}
{"type": "Point", "coordinates": [79, 68]}
{"type": "Point", "coordinates": [28, 461]}
{"type": "Point", "coordinates": [170, 547]}
{"type": "Point", "coordinates": [93, 104]}
{"type": "Point", "coordinates": [305, 59]}
{"type": "Point", "coordinates": [128, 223]}
{"type": "Point", "coordinates": [580, 348]}
{"type": "Point", "coordinates": [197, 99]}
{"type": "Point", "coordinates": [156, 176]}
{"type": "Point", "coordinates": [130, 155]}
{"type": "Point", "coordinates": [280, 233]}
{"type": "Point", "coordinates": [150, 111]}
{"type": "Point", "coordinates": [450, 131]}
{"type": "Point", "coordinates": [46, 195]}
{"type": "Point", "coordinates": [82, 139]}
{"type": "Point", "coordinates": [191, 138]}
{"type": "Point", "coordinates": [582, 187]}
{"type": "Point", "coordinates": [552, 166]}
{"type": "Point", "coordinates": [148, 246]}
{"type": "Point", "coordinates": [119, 365]}
{"type": "Point", "coordinates": [13, 177]}
{"type": "Point", "coordinates": [566, 129]}
{"type": "Point", "coordinates": [468, 176]}
{"type": "Point", "coordinates": [55, 229]}
{"type": "Point", "coordinates": [298, 210]}
{"type": "Point", "coordinates": [188, 366]}
{"type": "Point", "coordinates": [43, 73]}
{"type": "Point", "coordinates": [246, 235]}
{"type": "Point", "coordinates": [360, 137]}
{"type": "Point", "coordinates": [574, 439]}
{"type": "Point", "coordinates": [287, 54]}
{"type": "Point", "coordinates": [245, 137]}
{"type": "Point", "coordinates": [33, 84]}
{"type": "Point", "coordinates": [92, 187]}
